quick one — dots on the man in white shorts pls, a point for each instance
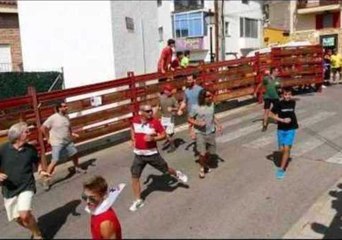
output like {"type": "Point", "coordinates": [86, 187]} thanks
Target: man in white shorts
{"type": "Point", "coordinates": [168, 106]}
{"type": "Point", "coordinates": [17, 160]}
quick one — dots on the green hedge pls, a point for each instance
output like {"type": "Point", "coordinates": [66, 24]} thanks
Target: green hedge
{"type": "Point", "coordinates": [14, 84]}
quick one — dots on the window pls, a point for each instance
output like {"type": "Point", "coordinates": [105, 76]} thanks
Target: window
{"type": "Point", "coordinates": [160, 31]}
{"type": "Point", "coordinates": [248, 28]}
{"type": "Point", "coordinates": [129, 23]}
{"type": "Point", "coordinates": [245, 1]}
{"type": "Point", "coordinates": [188, 24]}
{"type": "Point", "coordinates": [226, 29]}
{"type": "Point", "coordinates": [327, 20]}
{"type": "Point", "coordinates": [159, 3]}
{"type": "Point", "coordinates": [188, 5]}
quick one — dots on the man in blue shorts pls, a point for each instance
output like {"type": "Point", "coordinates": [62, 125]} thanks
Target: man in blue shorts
{"type": "Point", "coordinates": [284, 113]}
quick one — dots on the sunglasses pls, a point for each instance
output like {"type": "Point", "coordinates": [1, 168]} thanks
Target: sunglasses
{"type": "Point", "coordinates": [87, 198]}
{"type": "Point", "coordinates": [148, 111]}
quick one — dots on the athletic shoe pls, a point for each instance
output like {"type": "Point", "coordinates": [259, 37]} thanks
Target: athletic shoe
{"type": "Point", "coordinates": [280, 174]}
{"type": "Point", "coordinates": [182, 177]}
{"type": "Point", "coordinates": [136, 205]}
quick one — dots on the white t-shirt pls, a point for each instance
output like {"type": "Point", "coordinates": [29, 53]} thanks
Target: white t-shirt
{"type": "Point", "coordinates": [59, 126]}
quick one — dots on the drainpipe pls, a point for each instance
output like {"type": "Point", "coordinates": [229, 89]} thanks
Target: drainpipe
{"type": "Point", "coordinates": [223, 39]}
{"type": "Point", "coordinates": [216, 10]}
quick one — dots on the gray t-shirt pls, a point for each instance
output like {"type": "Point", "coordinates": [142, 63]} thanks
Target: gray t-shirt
{"type": "Point", "coordinates": [191, 96]}
{"type": "Point", "coordinates": [167, 102]}
{"type": "Point", "coordinates": [59, 126]}
{"type": "Point", "coordinates": [204, 113]}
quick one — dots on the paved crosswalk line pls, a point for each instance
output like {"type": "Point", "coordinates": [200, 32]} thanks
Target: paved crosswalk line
{"type": "Point", "coordinates": [315, 141]}
{"type": "Point", "coordinates": [337, 158]}
{"type": "Point", "coordinates": [306, 122]}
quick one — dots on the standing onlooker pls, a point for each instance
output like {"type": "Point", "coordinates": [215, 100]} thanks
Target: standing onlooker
{"type": "Point", "coordinates": [165, 59]}
{"type": "Point", "coordinates": [335, 64]}
{"type": "Point", "coordinates": [202, 116]}
{"type": "Point", "coordinates": [169, 107]}
{"type": "Point", "coordinates": [326, 65]}
{"type": "Point", "coordinates": [176, 63]}
{"type": "Point", "coordinates": [190, 98]}
{"type": "Point", "coordinates": [185, 60]}
{"type": "Point", "coordinates": [104, 223]}
{"type": "Point", "coordinates": [17, 160]}
{"type": "Point", "coordinates": [271, 82]}
{"type": "Point", "coordinates": [145, 133]}
{"type": "Point", "coordinates": [284, 113]}
{"type": "Point", "coordinates": [57, 130]}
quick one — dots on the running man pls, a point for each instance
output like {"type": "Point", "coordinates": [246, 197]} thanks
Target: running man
{"type": "Point", "coordinates": [190, 99]}
{"type": "Point", "coordinates": [168, 106]}
{"type": "Point", "coordinates": [202, 116]}
{"type": "Point", "coordinates": [271, 83]}
{"type": "Point", "coordinates": [284, 113]}
{"type": "Point", "coordinates": [17, 160]}
{"type": "Point", "coordinates": [146, 131]}
{"type": "Point", "coordinates": [57, 130]}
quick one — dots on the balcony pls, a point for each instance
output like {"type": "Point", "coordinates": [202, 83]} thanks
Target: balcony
{"type": "Point", "coordinates": [317, 6]}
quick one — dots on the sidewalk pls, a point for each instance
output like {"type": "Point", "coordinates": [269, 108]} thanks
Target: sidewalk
{"type": "Point", "coordinates": [323, 219]}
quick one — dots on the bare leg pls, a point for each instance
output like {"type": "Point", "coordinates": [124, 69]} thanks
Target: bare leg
{"type": "Point", "coordinates": [285, 157]}
{"type": "Point", "coordinates": [75, 160]}
{"type": "Point", "coordinates": [136, 188]}
{"type": "Point", "coordinates": [265, 120]}
{"type": "Point", "coordinates": [51, 167]}
{"type": "Point", "coordinates": [27, 220]}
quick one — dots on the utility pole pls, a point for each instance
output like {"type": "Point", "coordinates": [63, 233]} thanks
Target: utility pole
{"type": "Point", "coordinates": [223, 37]}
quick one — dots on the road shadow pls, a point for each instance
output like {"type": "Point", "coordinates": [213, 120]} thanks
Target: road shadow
{"type": "Point", "coordinates": [178, 142]}
{"type": "Point", "coordinates": [85, 165]}
{"type": "Point", "coordinates": [52, 222]}
{"type": "Point", "coordinates": [275, 157]}
{"type": "Point", "coordinates": [334, 230]}
{"type": "Point", "coordinates": [162, 183]}
{"type": "Point", "coordinates": [213, 160]}
{"type": "Point", "coordinates": [192, 145]}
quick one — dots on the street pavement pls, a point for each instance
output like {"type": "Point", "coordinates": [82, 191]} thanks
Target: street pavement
{"type": "Point", "coordinates": [240, 198]}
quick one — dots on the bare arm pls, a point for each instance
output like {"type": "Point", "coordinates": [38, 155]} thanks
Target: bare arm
{"type": "Point", "coordinates": [107, 230]}
{"type": "Point", "coordinates": [277, 118]}
{"type": "Point", "coordinates": [45, 131]}
{"type": "Point", "coordinates": [257, 89]}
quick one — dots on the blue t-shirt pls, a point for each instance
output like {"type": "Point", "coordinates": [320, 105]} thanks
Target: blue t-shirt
{"type": "Point", "coordinates": [191, 96]}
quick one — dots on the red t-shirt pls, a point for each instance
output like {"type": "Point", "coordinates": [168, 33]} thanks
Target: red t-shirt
{"type": "Point", "coordinates": [165, 59]}
{"type": "Point", "coordinates": [96, 221]}
{"type": "Point", "coordinates": [151, 127]}
{"type": "Point", "coordinates": [175, 63]}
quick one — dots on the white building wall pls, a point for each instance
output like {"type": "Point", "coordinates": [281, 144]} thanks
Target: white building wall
{"type": "Point", "coordinates": [233, 10]}
{"type": "Point", "coordinates": [165, 21]}
{"type": "Point", "coordinates": [75, 35]}
{"type": "Point", "coordinates": [135, 50]}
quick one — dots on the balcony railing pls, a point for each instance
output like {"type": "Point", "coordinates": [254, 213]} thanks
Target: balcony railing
{"type": "Point", "coordinates": [5, 67]}
{"type": "Point", "coordinates": [318, 3]}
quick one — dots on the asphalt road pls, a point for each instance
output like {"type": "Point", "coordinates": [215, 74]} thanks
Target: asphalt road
{"type": "Point", "coordinates": [240, 198]}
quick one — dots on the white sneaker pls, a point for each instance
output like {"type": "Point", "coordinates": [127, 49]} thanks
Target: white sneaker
{"type": "Point", "coordinates": [182, 177]}
{"type": "Point", "coordinates": [136, 205]}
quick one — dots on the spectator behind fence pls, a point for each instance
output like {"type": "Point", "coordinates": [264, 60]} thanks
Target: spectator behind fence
{"type": "Point", "coordinates": [186, 59]}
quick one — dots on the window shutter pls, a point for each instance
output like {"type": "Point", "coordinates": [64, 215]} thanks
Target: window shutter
{"type": "Point", "coordinates": [319, 21]}
{"type": "Point", "coordinates": [336, 20]}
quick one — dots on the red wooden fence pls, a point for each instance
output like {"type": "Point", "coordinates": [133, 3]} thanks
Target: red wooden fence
{"type": "Point", "coordinates": [119, 99]}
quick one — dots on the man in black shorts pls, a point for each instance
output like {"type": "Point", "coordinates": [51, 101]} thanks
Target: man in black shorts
{"type": "Point", "coordinates": [271, 83]}
{"type": "Point", "coordinates": [145, 132]}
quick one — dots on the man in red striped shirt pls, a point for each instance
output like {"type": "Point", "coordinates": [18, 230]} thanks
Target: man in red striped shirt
{"type": "Point", "coordinates": [145, 133]}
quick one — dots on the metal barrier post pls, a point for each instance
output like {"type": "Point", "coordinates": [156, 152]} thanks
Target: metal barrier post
{"type": "Point", "coordinates": [32, 92]}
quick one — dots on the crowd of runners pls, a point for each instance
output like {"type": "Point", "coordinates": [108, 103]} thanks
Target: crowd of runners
{"type": "Point", "coordinates": [18, 159]}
